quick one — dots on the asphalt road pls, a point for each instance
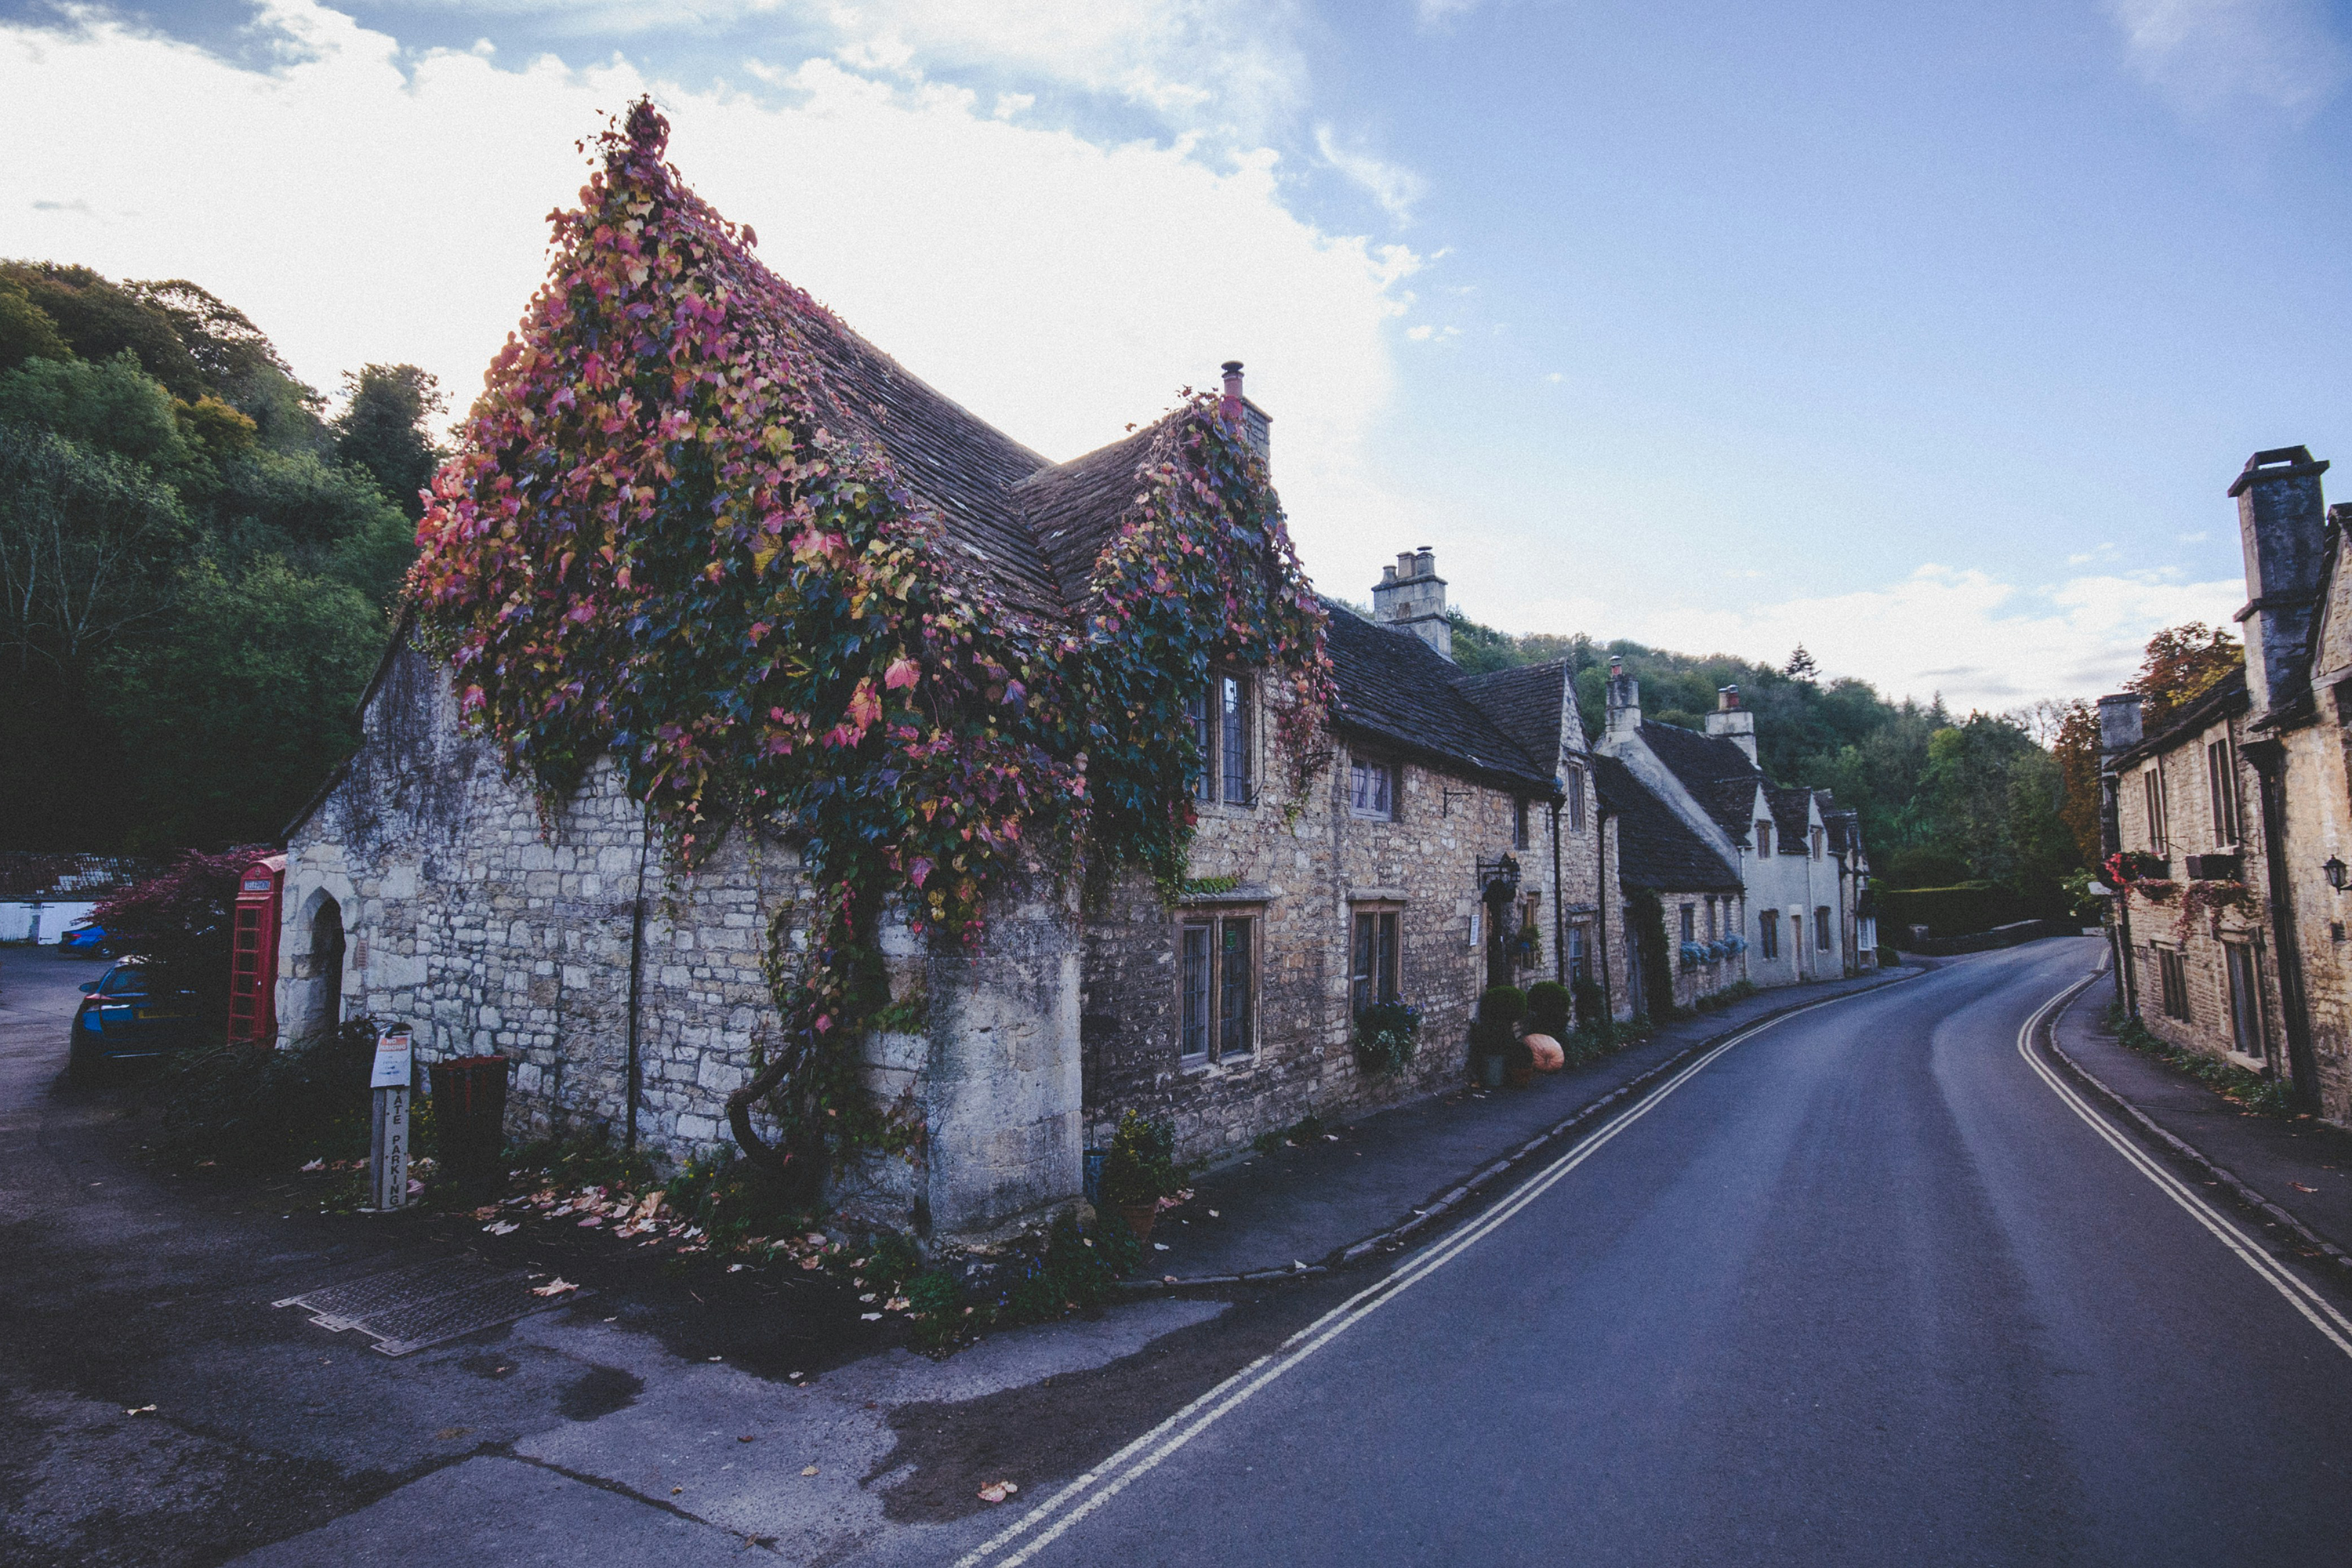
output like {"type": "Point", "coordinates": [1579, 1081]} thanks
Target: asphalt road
{"type": "Point", "coordinates": [1865, 1289]}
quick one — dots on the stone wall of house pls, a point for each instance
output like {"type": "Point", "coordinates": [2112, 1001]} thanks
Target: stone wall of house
{"type": "Point", "coordinates": [1302, 879]}
{"type": "Point", "coordinates": [2319, 827]}
{"type": "Point", "coordinates": [488, 928]}
{"type": "Point", "coordinates": [2159, 928]}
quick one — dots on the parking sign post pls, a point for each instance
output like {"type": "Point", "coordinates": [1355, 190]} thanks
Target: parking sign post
{"type": "Point", "coordinates": [388, 1138]}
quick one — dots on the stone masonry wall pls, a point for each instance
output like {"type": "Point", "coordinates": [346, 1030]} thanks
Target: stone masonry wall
{"type": "Point", "coordinates": [2191, 829]}
{"type": "Point", "coordinates": [488, 929]}
{"type": "Point", "coordinates": [1302, 881]}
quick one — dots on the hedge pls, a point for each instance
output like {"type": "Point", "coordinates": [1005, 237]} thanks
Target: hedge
{"type": "Point", "coordinates": [1959, 910]}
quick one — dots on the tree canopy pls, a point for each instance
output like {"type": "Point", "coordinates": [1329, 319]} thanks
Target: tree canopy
{"type": "Point", "coordinates": [197, 565]}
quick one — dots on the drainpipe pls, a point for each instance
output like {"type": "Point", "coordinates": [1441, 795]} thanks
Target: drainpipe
{"type": "Point", "coordinates": [1600, 901]}
{"type": "Point", "coordinates": [637, 973]}
{"type": "Point", "coordinates": [1559, 906]}
{"type": "Point", "coordinates": [2269, 758]}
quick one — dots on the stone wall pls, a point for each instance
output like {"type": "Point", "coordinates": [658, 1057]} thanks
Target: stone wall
{"type": "Point", "coordinates": [486, 929]}
{"type": "Point", "coordinates": [2156, 928]}
{"type": "Point", "coordinates": [1303, 881]}
{"type": "Point", "coordinates": [2319, 827]}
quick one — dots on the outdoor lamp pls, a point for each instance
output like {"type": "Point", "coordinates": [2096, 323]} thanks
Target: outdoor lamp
{"type": "Point", "coordinates": [2334, 870]}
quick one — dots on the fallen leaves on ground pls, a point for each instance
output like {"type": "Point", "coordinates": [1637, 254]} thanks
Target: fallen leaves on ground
{"type": "Point", "coordinates": [555, 1287]}
{"type": "Point", "coordinates": [810, 1470]}
{"type": "Point", "coordinates": [139, 1410]}
{"type": "Point", "coordinates": [997, 1491]}
{"type": "Point", "coordinates": [2299, 1187]}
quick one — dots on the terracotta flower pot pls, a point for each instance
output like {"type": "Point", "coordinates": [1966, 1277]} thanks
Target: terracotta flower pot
{"type": "Point", "coordinates": [1519, 1075]}
{"type": "Point", "coordinates": [1139, 1217]}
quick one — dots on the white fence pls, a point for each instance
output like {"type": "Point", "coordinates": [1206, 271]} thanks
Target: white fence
{"type": "Point", "coordinates": [38, 920]}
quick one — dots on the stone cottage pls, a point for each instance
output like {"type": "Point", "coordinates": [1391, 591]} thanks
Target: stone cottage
{"type": "Point", "coordinates": [1798, 863]}
{"type": "Point", "coordinates": [2245, 796]}
{"type": "Point", "coordinates": [2203, 972]}
{"type": "Point", "coordinates": [425, 886]}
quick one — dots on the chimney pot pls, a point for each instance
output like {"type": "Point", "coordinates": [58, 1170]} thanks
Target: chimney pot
{"type": "Point", "coordinates": [1410, 597]}
{"type": "Point", "coordinates": [2119, 723]}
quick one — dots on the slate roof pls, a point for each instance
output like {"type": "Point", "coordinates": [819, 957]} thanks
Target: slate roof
{"type": "Point", "coordinates": [1073, 510]}
{"type": "Point", "coordinates": [1396, 689]}
{"type": "Point", "coordinates": [1656, 849]}
{"type": "Point", "coordinates": [1792, 822]}
{"type": "Point", "coordinates": [1715, 770]}
{"type": "Point", "coordinates": [1525, 703]}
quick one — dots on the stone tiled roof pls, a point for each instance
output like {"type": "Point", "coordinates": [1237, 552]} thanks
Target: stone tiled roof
{"type": "Point", "coordinates": [1715, 770]}
{"type": "Point", "coordinates": [1396, 689]}
{"type": "Point", "coordinates": [1792, 822]}
{"type": "Point", "coordinates": [1656, 849]}
{"type": "Point", "coordinates": [963, 467]}
{"type": "Point", "coordinates": [1525, 703]}
{"type": "Point", "coordinates": [1073, 510]}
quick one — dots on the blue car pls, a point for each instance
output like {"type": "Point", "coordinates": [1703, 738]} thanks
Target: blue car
{"type": "Point", "coordinates": [85, 939]}
{"type": "Point", "coordinates": [122, 1019]}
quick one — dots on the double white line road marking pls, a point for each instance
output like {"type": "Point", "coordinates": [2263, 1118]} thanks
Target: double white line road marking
{"type": "Point", "coordinates": [1047, 1522]}
{"type": "Point", "coordinates": [2304, 1300]}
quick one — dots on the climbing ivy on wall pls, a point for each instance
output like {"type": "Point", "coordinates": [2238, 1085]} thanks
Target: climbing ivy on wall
{"type": "Point", "coordinates": [652, 545]}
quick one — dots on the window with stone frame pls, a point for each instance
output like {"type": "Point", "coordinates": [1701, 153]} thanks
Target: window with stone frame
{"type": "Point", "coordinates": [2172, 982]}
{"type": "Point", "coordinates": [1217, 986]}
{"type": "Point", "coordinates": [1824, 929]}
{"type": "Point", "coordinates": [1530, 919]}
{"type": "Point", "coordinates": [1520, 822]}
{"type": "Point", "coordinates": [1690, 922]}
{"type": "Point", "coordinates": [1768, 934]}
{"type": "Point", "coordinates": [1221, 718]}
{"type": "Point", "coordinates": [1579, 950]}
{"type": "Point", "coordinates": [2151, 784]}
{"type": "Point", "coordinates": [1371, 789]}
{"type": "Point", "coordinates": [1821, 840]}
{"type": "Point", "coordinates": [1763, 837]}
{"type": "Point", "coordinates": [1574, 785]}
{"type": "Point", "coordinates": [2243, 967]}
{"type": "Point", "coordinates": [2221, 785]}
{"type": "Point", "coordinates": [1378, 946]}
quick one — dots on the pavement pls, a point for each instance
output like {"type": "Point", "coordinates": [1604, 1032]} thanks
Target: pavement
{"type": "Point", "coordinates": [1383, 1178]}
{"type": "Point", "coordinates": [1863, 1287]}
{"type": "Point", "coordinates": [2301, 1165]}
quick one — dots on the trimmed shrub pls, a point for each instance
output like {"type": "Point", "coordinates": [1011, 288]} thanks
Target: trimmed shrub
{"type": "Point", "coordinates": [1547, 1008]}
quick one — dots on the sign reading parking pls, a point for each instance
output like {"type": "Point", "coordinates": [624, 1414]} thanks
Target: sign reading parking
{"type": "Point", "coordinates": [388, 1135]}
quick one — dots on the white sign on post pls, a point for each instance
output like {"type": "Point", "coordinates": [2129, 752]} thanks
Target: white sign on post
{"type": "Point", "coordinates": [388, 1135]}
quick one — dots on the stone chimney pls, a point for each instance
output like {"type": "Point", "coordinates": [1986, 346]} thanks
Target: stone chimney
{"type": "Point", "coordinates": [2282, 523]}
{"type": "Point", "coordinates": [1732, 721]}
{"type": "Point", "coordinates": [1411, 597]}
{"type": "Point", "coordinates": [2119, 726]}
{"type": "Point", "coordinates": [1625, 701]}
{"type": "Point", "coordinates": [1256, 422]}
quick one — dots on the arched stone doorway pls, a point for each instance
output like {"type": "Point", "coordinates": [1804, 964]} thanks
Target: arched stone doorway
{"type": "Point", "coordinates": [318, 971]}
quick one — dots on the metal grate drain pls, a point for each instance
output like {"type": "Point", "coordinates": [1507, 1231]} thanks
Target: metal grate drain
{"type": "Point", "coordinates": [423, 1304]}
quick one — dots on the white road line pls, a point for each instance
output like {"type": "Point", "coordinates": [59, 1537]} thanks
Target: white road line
{"type": "Point", "coordinates": [2321, 1313]}
{"type": "Point", "coordinates": [1139, 1457]}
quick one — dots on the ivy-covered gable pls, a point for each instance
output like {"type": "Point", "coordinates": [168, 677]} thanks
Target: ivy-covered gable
{"type": "Point", "coordinates": [698, 525]}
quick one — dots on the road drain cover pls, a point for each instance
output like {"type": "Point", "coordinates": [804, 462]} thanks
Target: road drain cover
{"type": "Point", "coordinates": [426, 1303]}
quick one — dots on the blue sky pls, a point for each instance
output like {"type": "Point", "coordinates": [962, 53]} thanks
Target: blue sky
{"type": "Point", "coordinates": [1928, 338]}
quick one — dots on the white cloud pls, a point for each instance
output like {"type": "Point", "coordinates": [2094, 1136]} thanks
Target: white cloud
{"type": "Point", "coordinates": [1395, 188]}
{"type": "Point", "coordinates": [1234, 65]}
{"type": "Point", "coordinates": [365, 204]}
{"type": "Point", "coordinates": [2203, 54]}
{"type": "Point", "coordinates": [1982, 643]}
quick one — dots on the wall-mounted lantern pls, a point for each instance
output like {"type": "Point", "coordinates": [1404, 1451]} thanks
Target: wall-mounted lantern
{"type": "Point", "coordinates": [2334, 870]}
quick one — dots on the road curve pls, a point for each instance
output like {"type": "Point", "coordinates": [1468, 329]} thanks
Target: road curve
{"type": "Point", "coordinates": [1863, 1287]}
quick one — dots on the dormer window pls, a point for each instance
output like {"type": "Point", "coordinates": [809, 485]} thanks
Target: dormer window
{"type": "Point", "coordinates": [1219, 718]}
{"type": "Point", "coordinates": [1575, 783]}
{"type": "Point", "coordinates": [1763, 839]}
{"type": "Point", "coordinates": [1821, 838]}
{"type": "Point", "coordinates": [1371, 789]}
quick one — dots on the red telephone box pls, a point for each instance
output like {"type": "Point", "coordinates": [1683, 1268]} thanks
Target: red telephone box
{"type": "Point", "coordinates": [252, 953]}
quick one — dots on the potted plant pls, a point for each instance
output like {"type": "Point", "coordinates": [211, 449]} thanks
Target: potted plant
{"type": "Point", "coordinates": [1139, 1169]}
{"type": "Point", "coordinates": [1387, 1033]}
{"type": "Point", "coordinates": [1497, 1050]}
